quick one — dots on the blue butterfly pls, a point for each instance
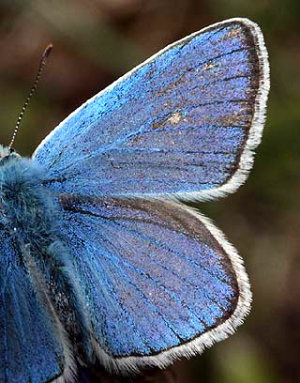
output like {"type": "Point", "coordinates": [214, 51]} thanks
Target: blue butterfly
{"type": "Point", "coordinates": [99, 258]}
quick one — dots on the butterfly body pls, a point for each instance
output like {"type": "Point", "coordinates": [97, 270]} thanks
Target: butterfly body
{"type": "Point", "coordinates": [36, 263]}
{"type": "Point", "coordinates": [26, 207]}
{"type": "Point", "coordinates": [99, 257]}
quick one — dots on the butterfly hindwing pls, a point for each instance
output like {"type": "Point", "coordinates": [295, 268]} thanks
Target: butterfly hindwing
{"type": "Point", "coordinates": [186, 121]}
{"type": "Point", "coordinates": [158, 278]}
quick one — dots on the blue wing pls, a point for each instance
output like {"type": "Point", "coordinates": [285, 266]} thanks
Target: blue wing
{"type": "Point", "coordinates": [186, 121]}
{"type": "Point", "coordinates": [160, 281]}
{"type": "Point", "coordinates": [32, 345]}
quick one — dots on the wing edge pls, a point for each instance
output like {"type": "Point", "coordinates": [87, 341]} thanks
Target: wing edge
{"type": "Point", "coordinates": [255, 131]}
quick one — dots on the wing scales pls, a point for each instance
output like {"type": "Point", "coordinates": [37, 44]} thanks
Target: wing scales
{"type": "Point", "coordinates": [155, 272]}
{"type": "Point", "coordinates": [30, 342]}
{"type": "Point", "coordinates": [185, 122]}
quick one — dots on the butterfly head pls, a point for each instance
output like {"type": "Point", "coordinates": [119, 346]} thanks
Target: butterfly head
{"type": "Point", "coordinates": [6, 153]}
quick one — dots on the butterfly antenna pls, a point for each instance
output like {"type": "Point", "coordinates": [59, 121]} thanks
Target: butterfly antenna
{"type": "Point", "coordinates": [42, 64]}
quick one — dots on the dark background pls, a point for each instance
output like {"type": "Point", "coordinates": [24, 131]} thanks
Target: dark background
{"type": "Point", "coordinates": [96, 41]}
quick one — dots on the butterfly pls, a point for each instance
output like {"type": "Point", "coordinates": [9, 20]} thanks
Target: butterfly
{"type": "Point", "coordinates": [100, 258]}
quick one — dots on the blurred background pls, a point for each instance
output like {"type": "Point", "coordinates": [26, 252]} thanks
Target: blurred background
{"type": "Point", "coordinates": [95, 42]}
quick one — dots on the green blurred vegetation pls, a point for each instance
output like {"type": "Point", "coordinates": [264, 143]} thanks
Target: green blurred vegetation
{"type": "Point", "coordinates": [98, 40]}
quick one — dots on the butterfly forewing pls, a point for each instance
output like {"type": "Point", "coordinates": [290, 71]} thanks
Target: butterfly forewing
{"type": "Point", "coordinates": [31, 343]}
{"type": "Point", "coordinates": [183, 122]}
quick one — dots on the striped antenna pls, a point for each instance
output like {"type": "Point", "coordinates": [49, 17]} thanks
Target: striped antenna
{"type": "Point", "coordinates": [43, 61]}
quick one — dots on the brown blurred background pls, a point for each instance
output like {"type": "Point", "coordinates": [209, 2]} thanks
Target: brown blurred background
{"type": "Point", "coordinates": [95, 42]}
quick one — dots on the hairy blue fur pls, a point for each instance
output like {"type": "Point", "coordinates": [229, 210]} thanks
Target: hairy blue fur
{"type": "Point", "coordinates": [28, 216]}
